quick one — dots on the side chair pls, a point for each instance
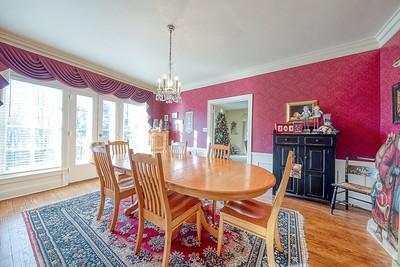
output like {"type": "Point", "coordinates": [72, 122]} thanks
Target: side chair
{"type": "Point", "coordinates": [257, 217]}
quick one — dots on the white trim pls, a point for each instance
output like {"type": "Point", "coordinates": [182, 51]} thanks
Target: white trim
{"type": "Point", "coordinates": [41, 49]}
{"type": "Point", "coordinates": [232, 99]}
{"type": "Point", "coordinates": [286, 63]}
{"type": "Point", "coordinates": [29, 184]}
{"type": "Point", "coordinates": [391, 27]}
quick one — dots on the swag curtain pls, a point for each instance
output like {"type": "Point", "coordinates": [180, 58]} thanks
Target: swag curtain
{"type": "Point", "coordinates": [46, 69]}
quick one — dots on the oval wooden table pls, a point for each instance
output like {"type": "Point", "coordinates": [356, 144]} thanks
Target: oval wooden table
{"type": "Point", "coordinates": [211, 179]}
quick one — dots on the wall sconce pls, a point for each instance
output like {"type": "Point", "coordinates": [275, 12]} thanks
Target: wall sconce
{"type": "Point", "coordinates": [396, 63]}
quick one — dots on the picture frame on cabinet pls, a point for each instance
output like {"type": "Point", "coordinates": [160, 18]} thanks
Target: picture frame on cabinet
{"type": "Point", "coordinates": [396, 103]}
{"type": "Point", "coordinates": [295, 109]}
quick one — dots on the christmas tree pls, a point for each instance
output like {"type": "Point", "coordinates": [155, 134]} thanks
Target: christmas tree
{"type": "Point", "coordinates": [221, 130]}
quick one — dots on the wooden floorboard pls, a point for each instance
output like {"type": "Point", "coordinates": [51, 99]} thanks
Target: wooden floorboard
{"type": "Point", "coordinates": [332, 240]}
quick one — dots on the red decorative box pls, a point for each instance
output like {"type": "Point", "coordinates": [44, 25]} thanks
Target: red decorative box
{"type": "Point", "coordinates": [288, 127]}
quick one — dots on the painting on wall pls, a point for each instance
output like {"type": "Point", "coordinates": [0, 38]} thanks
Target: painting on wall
{"type": "Point", "coordinates": [396, 103]}
{"type": "Point", "coordinates": [294, 110]}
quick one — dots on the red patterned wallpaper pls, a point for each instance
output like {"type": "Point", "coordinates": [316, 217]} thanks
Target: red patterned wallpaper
{"type": "Point", "coordinates": [346, 87]}
{"type": "Point", "coordinates": [389, 76]}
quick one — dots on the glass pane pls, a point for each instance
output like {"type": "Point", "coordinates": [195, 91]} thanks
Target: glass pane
{"type": "Point", "coordinates": [84, 125]}
{"type": "Point", "coordinates": [108, 120]}
{"type": "Point", "coordinates": [136, 127]}
{"type": "Point", "coordinates": [30, 127]}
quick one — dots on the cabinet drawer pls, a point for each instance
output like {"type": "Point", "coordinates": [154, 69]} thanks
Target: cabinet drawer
{"type": "Point", "coordinates": [287, 140]}
{"type": "Point", "coordinates": [319, 140]}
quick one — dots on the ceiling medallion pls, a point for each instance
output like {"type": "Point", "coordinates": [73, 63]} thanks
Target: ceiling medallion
{"type": "Point", "coordinates": [169, 90]}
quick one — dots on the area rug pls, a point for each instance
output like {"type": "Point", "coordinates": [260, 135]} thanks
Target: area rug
{"type": "Point", "coordinates": [68, 234]}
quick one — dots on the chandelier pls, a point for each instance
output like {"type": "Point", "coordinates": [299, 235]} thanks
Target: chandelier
{"type": "Point", "coordinates": [169, 90]}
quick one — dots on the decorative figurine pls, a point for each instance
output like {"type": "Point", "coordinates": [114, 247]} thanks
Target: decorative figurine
{"type": "Point", "coordinates": [316, 115]}
{"type": "Point", "coordinates": [306, 114]}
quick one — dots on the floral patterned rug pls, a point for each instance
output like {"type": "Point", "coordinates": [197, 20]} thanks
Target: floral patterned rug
{"type": "Point", "coordinates": [68, 234]}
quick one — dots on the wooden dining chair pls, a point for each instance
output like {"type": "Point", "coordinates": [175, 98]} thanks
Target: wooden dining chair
{"type": "Point", "coordinates": [110, 186]}
{"type": "Point", "coordinates": [166, 209]}
{"type": "Point", "coordinates": [217, 151]}
{"type": "Point", "coordinates": [257, 217]}
{"type": "Point", "coordinates": [178, 148]}
{"type": "Point", "coordinates": [118, 147]}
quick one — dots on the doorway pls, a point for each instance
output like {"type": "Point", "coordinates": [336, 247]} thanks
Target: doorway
{"type": "Point", "coordinates": [238, 111]}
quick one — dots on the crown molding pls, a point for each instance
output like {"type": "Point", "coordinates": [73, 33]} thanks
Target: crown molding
{"type": "Point", "coordinates": [43, 50]}
{"type": "Point", "coordinates": [391, 27]}
{"type": "Point", "coordinates": [287, 63]}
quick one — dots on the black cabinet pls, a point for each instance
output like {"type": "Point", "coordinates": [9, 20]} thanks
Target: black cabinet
{"type": "Point", "coordinates": [317, 154]}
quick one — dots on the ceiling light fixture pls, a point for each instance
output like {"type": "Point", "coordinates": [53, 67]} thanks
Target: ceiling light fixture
{"type": "Point", "coordinates": [169, 90]}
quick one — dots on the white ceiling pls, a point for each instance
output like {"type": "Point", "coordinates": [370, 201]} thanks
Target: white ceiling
{"type": "Point", "coordinates": [212, 38]}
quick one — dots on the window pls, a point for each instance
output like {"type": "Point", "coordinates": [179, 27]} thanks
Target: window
{"type": "Point", "coordinates": [30, 128]}
{"type": "Point", "coordinates": [108, 131]}
{"type": "Point", "coordinates": [136, 128]}
{"type": "Point", "coordinates": [84, 126]}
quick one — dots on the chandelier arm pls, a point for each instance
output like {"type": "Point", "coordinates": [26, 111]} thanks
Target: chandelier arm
{"type": "Point", "coordinates": [170, 53]}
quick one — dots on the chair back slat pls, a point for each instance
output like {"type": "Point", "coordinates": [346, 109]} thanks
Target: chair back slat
{"type": "Point", "coordinates": [149, 182]}
{"type": "Point", "coordinates": [217, 151]}
{"type": "Point", "coordinates": [119, 147]}
{"type": "Point", "coordinates": [178, 148]}
{"type": "Point", "coordinates": [280, 193]}
{"type": "Point", "coordinates": [104, 168]}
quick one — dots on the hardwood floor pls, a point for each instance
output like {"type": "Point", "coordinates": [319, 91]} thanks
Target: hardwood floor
{"type": "Point", "coordinates": [338, 240]}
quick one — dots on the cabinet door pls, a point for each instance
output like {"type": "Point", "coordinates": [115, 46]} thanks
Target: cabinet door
{"type": "Point", "coordinates": [315, 172]}
{"type": "Point", "coordinates": [292, 186]}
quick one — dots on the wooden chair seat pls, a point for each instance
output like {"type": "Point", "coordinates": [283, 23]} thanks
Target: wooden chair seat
{"type": "Point", "coordinates": [356, 188]}
{"type": "Point", "coordinates": [251, 210]}
{"type": "Point", "coordinates": [126, 184]}
{"type": "Point", "coordinates": [179, 203]}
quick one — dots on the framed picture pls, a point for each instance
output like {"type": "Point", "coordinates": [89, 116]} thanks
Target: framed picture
{"type": "Point", "coordinates": [396, 103]}
{"type": "Point", "coordinates": [294, 109]}
{"type": "Point", "coordinates": [188, 122]}
{"type": "Point", "coordinates": [165, 117]}
{"type": "Point", "coordinates": [174, 115]}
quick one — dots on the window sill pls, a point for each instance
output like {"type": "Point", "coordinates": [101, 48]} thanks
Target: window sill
{"type": "Point", "coordinates": [20, 176]}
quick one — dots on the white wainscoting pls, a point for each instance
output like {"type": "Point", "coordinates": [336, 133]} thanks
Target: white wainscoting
{"type": "Point", "coordinates": [11, 187]}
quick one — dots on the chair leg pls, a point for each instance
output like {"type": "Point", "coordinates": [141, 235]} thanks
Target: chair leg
{"type": "Point", "coordinates": [167, 247]}
{"type": "Point", "coordinates": [101, 205]}
{"type": "Point", "coordinates": [220, 235]}
{"type": "Point", "coordinates": [333, 201]}
{"type": "Point", "coordinates": [269, 243]}
{"type": "Point", "coordinates": [347, 199]}
{"type": "Point", "coordinates": [198, 224]}
{"type": "Point", "coordinates": [139, 234]}
{"type": "Point", "coordinates": [115, 214]}
{"type": "Point", "coordinates": [278, 239]}
{"type": "Point", "coordinates": [214, 211]}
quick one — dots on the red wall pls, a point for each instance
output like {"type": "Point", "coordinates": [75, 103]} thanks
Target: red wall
{"type": "Point", "coordinates": [389, 76]}
{"type": "Point", "coordinates": [346, 87]}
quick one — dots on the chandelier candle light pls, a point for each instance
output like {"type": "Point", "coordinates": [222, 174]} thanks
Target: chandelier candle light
{"type": "Point", "coordinates": [169, 90]}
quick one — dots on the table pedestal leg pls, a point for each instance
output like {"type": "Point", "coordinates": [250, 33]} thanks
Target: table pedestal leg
{"type": "Point", "coordinates": [132, 208]}
{"type": "Point", "coordinates": [204, 222]}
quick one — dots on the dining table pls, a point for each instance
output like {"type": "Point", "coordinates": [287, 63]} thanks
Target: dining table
{"type": "Point", "coordinates": [207, 179]}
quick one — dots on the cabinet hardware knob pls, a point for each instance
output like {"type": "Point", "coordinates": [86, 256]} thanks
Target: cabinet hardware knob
{"type": "Point", "coordinates": [286, 139]}
{"type": "Point", "coordinates": [316, 140]}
